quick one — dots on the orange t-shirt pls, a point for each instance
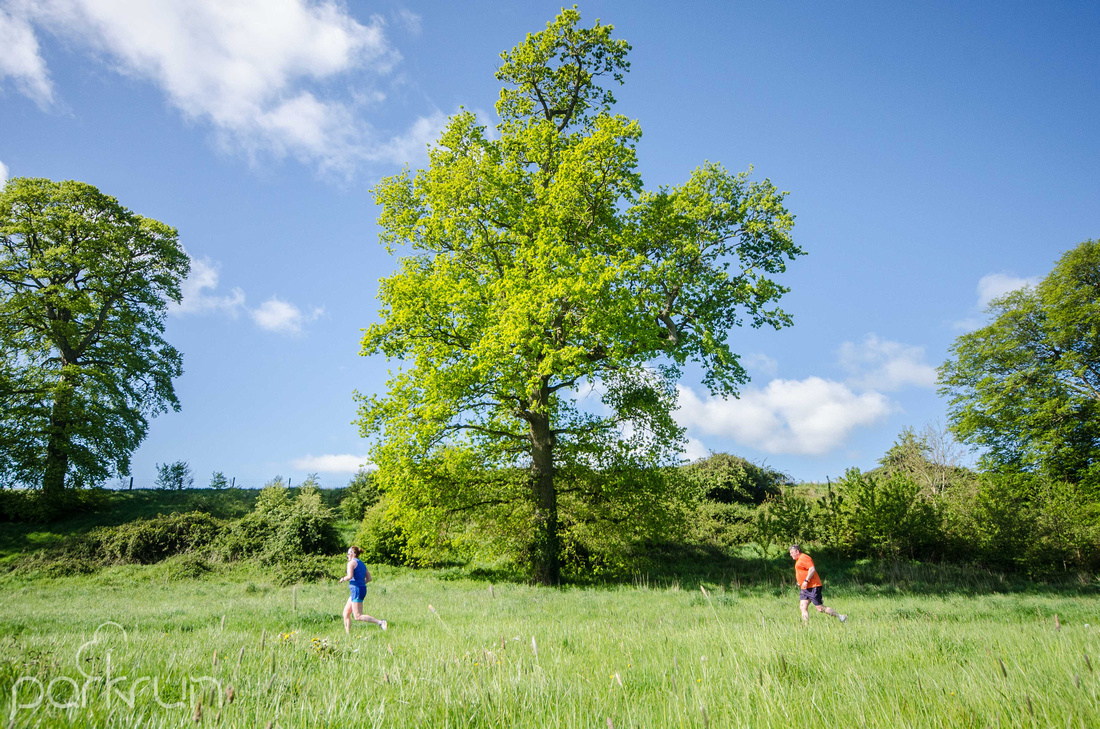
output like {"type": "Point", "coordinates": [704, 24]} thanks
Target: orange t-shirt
{"type": "Point", "coordinates": [802, 565]}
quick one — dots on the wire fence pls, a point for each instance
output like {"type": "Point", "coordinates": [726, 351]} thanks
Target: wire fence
{"type": "Point", "coordinates": [134, 484]}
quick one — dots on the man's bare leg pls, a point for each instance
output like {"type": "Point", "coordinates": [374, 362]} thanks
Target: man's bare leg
{"type": "Point", "coordinates": [830, 611]}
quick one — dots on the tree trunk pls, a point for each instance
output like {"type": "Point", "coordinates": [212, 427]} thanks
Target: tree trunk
{"type": "Point", "coordinates": [547, 542]}
{"type": "Point", "coordinates": [57, 447]}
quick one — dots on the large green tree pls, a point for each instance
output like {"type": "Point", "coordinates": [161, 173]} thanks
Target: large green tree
{"type": "Point", "coordinates": [84, 288]}
{"type": "Point", "coordinates": [1025, 388]}
{"type": "Point", "coordinates": [537, 268]}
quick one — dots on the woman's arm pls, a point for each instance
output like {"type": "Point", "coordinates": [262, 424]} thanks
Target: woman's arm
{"type": "Point", "coordinates": [365, 570]}
{"type": "Point", "coordinates": [348, 576]}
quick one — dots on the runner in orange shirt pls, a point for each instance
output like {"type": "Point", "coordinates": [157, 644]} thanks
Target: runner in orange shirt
{"type": "Point", "coordinates": [809, 584]}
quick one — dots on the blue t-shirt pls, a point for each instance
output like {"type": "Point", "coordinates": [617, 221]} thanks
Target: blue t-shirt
{"type": "Point", "coordinates": [359, 574]}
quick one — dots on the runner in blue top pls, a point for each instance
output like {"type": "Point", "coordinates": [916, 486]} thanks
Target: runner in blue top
{"type": "Point", "coordinates": [357, 578]}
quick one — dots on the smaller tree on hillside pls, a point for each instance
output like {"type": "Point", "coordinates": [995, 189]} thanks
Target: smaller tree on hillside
{"type": "Point", "coordinates": [175, 476]}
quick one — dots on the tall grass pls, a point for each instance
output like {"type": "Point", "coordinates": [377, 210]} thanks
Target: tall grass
{"type": "Point", "coordinates": [643, 655]}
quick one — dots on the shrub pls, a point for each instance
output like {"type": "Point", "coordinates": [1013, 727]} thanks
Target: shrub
{"type": "Point", "coordinates": [999, 522]}
{"type": "Point", "coordinates": [888, 517]}
{"type": "Point", "coordinates": [379, 538]}
{"type": "Point", "coordinates": [360, 494]}
{"type": "Point", "coordinates": [307, 526]}
{"type": "Point", "coordinates": [1067, 529]}
{"type": "Point", "coordinates": [17, 504]}
{"type": "Point", "coordinates": [273, 499]}
{"type": "Point", "coordinates": [783, 520]}
{"type": "Point", "coordinates": [1027, 523]}
{"type": "Point", "coordinates": [218, 480]}
{"type": "Point", "coordinates": [282, 528]}
{"type": "Point", "coordinates": [244, 538]}
{"type": "Point", "coordinates": [151, 540]}
{"type": "Point", "coordinates": [723, 525]}
{"type": "Point", "coordinates": [187, 567]}
{"type": "Point", "coordinates": [830, 518]}
{"type": "Point", "coordinates": [728, 479]}
{"type": "Point", "coordinates": [301, 568]}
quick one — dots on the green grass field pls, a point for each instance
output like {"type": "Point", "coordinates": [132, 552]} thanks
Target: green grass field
{"type": "Point", "coordinates": [461, 652]}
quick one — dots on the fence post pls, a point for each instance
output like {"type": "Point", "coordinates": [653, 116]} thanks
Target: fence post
{"type": "Point", "coordinates": [131, 483]}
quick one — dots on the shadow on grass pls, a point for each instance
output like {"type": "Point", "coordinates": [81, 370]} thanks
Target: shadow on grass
{"type": "Point", "coordinates": [748, 569]}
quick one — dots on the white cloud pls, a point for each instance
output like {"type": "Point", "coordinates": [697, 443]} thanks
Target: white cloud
{"type": "Point", "coordinates": [3, 174]}
{"type": "Point", "coordinates": [20, 59]}
{"type": "Point", "coordinates": [879, 364]}
{"type": "Point", "coordinates": [990, 287]}
{"type": "Point", "coordinates": [761, 364]}
{"type": "Point", "coordinates": [808, 417]}
{"type": "Point", "coordinates": [283, 317]}
{"type": "Point", "coordinates": [695, 450]}
{"type": "Point", "coordinates": [199, 297]}
{"type": "Point", "coordinates": [412, 147]}
{"type": "Point", "coordinates": [333, 463]}
{"type": "Point", "coordinates": [252, 69]}
{"type": "Point", "coordinates": [196, 300]}
{"type": "Point", "coordinates": [968, 324]}
{"type": "Point", "coordinates": [409, 20]}
{"type": "Point", "coordinates": [995, 285]}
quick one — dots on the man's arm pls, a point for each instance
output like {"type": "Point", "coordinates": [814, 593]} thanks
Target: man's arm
{"type": "Point", "coordinates": [809, 573]}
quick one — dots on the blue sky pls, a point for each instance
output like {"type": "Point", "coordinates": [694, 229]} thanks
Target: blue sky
{"type": "Point", "coordinates": [936, 154]}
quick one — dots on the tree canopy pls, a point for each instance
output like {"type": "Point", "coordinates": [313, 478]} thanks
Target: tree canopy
{"type": "Point", "coordinates": [84, 287]}
{"type": "Point", "coordinates": [546, 303]}
{"type": "Point", "coordinates": [1025, 388]}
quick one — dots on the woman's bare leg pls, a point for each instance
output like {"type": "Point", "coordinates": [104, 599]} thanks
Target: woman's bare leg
{"type": "Point", "coordinates": [357, 608]}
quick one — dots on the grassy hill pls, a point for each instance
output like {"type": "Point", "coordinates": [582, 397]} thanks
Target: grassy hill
{"type": "Point", "coordinates": [17, 539]}
{"type": "Point", "coordinates": [120, 507]}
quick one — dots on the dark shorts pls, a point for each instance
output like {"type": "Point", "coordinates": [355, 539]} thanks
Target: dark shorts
{"type": "Point", "coordinates": [358, 592]}
{"type": "Point", "coordinates": [813, 595]}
